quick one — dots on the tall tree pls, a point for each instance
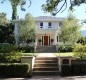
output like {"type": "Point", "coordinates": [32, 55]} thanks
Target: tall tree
{"type": "Point", "coordinates": [52, 6]}
{"type": "Point", "coordinates": [27, 28]}
{"type": "Point", "coordinates": [14, 4]}
{"type": "Point", "coordinates": [3, 19]}
{"type": "Point", "coordinates": [70, 30]}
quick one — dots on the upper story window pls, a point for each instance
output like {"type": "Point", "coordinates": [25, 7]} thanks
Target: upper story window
{"type": "Point", "coordinates": [49, 24]}
{"type": "Point", "coordinates": [41, 23]}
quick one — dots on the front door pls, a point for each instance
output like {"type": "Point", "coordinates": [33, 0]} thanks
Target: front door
{"type": "Point", "coordinates": [45, 40]}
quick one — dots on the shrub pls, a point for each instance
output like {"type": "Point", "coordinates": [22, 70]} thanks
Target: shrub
{"type": "Point", "coordinates": [80, 51]}
{"type": "Point", "coordinates": [26, 49]}
{"type": "Point", "coordinates": [78, 69]}
{"type": "Point", "coordinates": [14, 70]}
{"type": "Point", "coordinates": [65, 48]}
{"type": "Point", "coordinates": [75, 69]}
{"type": "Point", "coordinates": [7, 48]}
{"type": "Point", "coordinates": [13, 57]}
{"type": "Point", "coordinates": [65, 70]}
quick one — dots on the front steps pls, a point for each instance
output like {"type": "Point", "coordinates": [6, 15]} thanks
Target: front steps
{"type": "Point", "coordinates": [45, 66]}
{"type": "Point", "coordinates": [46, 49]}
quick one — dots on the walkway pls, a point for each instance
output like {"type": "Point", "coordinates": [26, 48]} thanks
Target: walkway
{"type": "Point", "coordinates": [49, 78]}
{"type": "Point", "coordinates": [46, 55]}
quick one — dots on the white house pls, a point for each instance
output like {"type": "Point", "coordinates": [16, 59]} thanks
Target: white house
{"type": "Point", "coordinates": [47, 30]}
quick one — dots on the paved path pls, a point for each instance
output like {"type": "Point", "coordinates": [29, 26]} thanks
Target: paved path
{"type": "Point", "coordinates": [46, 55]}
{"type": "Point", "coordinates": [49, 78]}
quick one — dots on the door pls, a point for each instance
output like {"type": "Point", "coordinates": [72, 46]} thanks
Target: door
{"type": "Point", "coordinates": [45, 40]}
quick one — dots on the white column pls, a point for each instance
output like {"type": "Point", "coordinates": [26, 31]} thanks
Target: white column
{"type": "Point", "coordinates": [55, 39]}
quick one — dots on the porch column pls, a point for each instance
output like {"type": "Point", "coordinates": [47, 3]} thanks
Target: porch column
{"type": "Point", "coordinates": [55, 39]}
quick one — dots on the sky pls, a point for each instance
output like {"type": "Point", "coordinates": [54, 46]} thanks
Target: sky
{"type": "Point", "coordinates": [36, 10]}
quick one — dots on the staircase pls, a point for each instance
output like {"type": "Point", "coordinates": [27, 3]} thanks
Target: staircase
{"type": "Point", "coordinates": [45, 66]}
{"type": "Point", "coordinates": [46, 49]}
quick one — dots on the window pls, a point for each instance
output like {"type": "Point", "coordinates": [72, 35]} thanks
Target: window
{"type": "Point", "coordinates": [41, 23]}
{"type": "Point", "coordinates": [49, 24]}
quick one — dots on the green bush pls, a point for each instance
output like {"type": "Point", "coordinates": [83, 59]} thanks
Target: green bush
{"type": "Point", "coordinates": [13, 57]}
{"type": "Point", "coordinates": [80, 51]}
{"type": "Point", "coordinates": [78, 69]}
{"type": "Point", "coordinates": [25, 49]}
{"type": "Point", "coordinates": [73, 69]}
{"type": "Point", "coordinates": [65, 48]}
{"type": "Point", "coordinates": [15, 70]}
{"type": "Point", "coordinates": [7, 48]}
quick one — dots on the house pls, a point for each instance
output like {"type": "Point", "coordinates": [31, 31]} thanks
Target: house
{"type": "Point", "coordinates": [47, 30]}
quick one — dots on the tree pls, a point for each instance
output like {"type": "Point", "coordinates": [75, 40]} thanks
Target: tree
{"type": "Point", "coordinates": [6, 29]}
{"type": "Point", "coordinates": [27, 28]}
{"type": "Point", "coordinates": [80, 51]}
{"type": "Point", "coordinates": [82, 40]}
{"type": "Point", "coordinates": [52, 6]}
{"type": "Point", "coordinates": [3, 19]}
{"type": "Point", "coordinates": [70, 31]}
{"type": "Point", "coordinates": [14, 4]}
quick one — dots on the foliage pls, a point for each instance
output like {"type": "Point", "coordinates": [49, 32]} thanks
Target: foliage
{"type": "Point", "coordinates": [27, 29]}
{"type": "Point", "coordinates": [80, 51]}
{"type": "Point", "coordinates": [7, 48]}
{"type": "Point", "coordinates": [14, 56]}
{"type": "Point", "coordinates": [82, 40]}
{"type": "Point", "coordinates": [15, 4]}
{"type": "Point", "coordinates": [14, 70]}
{"type": "Point", "coordinates": [70, 31]}
{"type": "Point", "coordinates": [6, 33]}
{"type": "Point", "coordinates": [9, 53]}
{"type": "Point", "coordinates": [65, 48]}
{"type": "Point", "coordinates": [26, 48]}
{"type": "Point", "coordinates": [73, 69]}
{"type": "Point", "coordinates": [3, 19]}
{"type": "Point", "coordinates": [52, 6]}
{"type": "Point", "coordinates": [65, 70]}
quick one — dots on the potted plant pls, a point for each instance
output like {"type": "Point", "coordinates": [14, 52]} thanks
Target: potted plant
{"type": "Point", "coordinates": [39, 41]}
{"type": "Point", "coordinates": [52, 41]}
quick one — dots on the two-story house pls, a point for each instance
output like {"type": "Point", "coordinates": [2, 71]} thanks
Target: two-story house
{"type": "Point", "coordinates": [47, 30]}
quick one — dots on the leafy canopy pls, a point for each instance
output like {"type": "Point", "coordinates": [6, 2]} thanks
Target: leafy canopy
{"type": "Point", "coordinates": [70, 30]}
{"type": "Point", "coordinates": [27, 28]}
{"type": "Point", "coordinates": [53, 6]}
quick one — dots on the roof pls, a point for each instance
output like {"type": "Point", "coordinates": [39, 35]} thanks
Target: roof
{"type": "Point", "coordinates": [48, 18]}
{"type": "Point", "coordinates": [43, 18]}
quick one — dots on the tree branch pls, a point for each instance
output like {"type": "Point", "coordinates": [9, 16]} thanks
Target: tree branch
{"type": "Point", "coordinates": [61, 7]}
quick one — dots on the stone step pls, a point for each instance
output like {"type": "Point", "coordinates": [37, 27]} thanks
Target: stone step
{"type": "Point", "coordinates": [47, 58]}
{"type": "Point", "coordinates": [45, 64]}
{"type": "Point", "coordinates": [46, 69]}
{"type": "Point", "coordinates": [46, 49]}
{"type": "Point", "coordinates": [46, 73]}
{"type": "Point", "coordinates": [46, 61]}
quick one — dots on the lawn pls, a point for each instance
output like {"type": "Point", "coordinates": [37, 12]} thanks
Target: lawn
{"type": "Point", "coordinates": [65, 54]}
{"type": "Point", "coordinates": [29, 54]}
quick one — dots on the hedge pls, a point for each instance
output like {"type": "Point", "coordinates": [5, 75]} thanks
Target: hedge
{"type": "Point", "coordinates": [14, 70]}
{"type": "Point", "coordinates": [65, 70]}
{"type": "Point", "coordinates": [73, 70]}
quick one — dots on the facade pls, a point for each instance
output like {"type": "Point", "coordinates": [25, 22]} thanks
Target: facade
{"type": "Point", "coordinates": [47, 30]}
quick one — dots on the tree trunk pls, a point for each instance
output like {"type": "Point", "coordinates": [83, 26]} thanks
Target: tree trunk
{"type": "Point", "coordinates": [14, 12]}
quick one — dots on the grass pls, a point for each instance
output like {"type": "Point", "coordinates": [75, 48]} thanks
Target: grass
{"type": "Point", "coordinates": [29, 54]}
{"type": "Point", "coordinates": [65, 54]}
